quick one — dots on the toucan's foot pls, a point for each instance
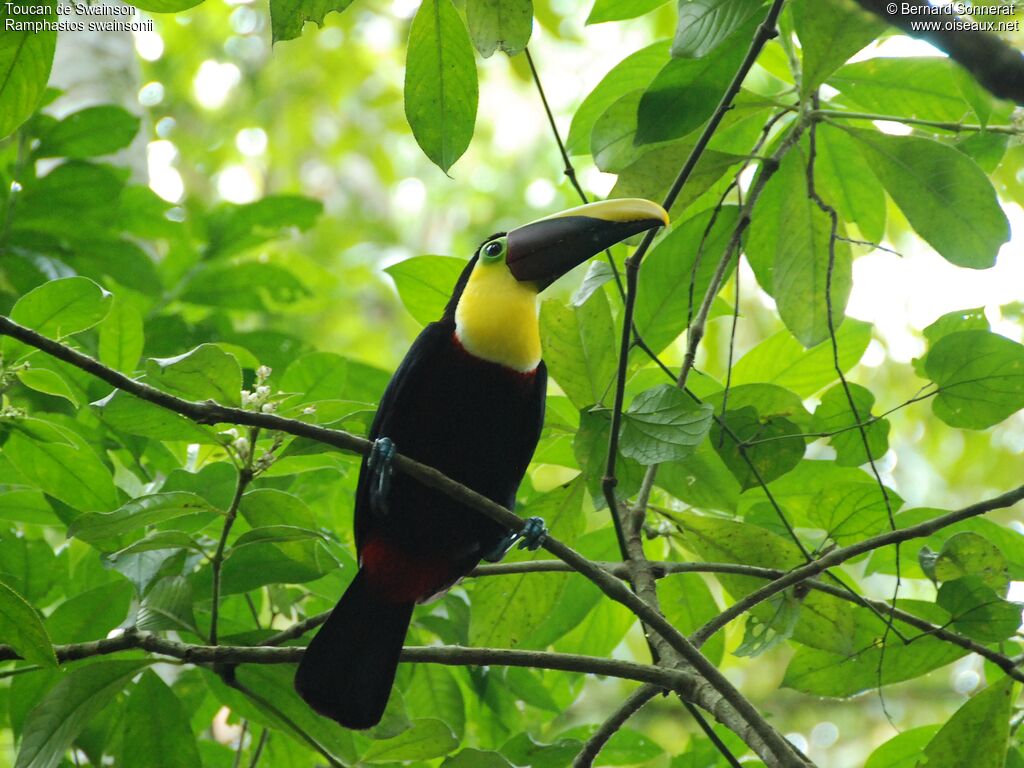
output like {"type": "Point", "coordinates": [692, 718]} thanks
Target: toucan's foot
{"type": "Point", "coordinates": [379, 464]}
{"type": "Point", "coordinates": [530, 537]}
{"type": "Point", "coordinates": [533, 533]}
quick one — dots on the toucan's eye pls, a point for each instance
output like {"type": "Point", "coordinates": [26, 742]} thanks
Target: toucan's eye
{"type": "Point", "coordinates": [493, 250]}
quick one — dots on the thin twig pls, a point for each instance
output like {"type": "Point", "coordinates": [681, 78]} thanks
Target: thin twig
{"type": "Point", "coordinates": [842, 114]}
{"type": "Point", "coordinates": [633, 703]}
{"type": "Point", "coordinates": [217, 561]}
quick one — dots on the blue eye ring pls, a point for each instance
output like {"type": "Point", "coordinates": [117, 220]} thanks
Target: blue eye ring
{"type": "Point", "coordinates": [493, 250]}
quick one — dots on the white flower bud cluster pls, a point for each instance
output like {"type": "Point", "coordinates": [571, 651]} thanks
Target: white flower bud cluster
{"type": "Point", "coordinates": [259, 398]}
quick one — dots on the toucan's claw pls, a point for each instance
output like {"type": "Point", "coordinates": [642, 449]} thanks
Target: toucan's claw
{"type": "Point", "coordinates": [379, 464]}
{"type": "Point", "coordinates": [530, 537]}
{"type": "Point", "coordinates": [533, 534]}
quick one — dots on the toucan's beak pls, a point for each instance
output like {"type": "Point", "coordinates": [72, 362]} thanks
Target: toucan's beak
{"type": "Point", "coordinates": [544, 250]}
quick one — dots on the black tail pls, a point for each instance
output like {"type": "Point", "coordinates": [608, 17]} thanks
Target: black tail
{"type": "Point", "coordinates": [348, 669]}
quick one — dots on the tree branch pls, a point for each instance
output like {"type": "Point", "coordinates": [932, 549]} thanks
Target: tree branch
{"type": "Point", "coordinates": [841, 555]}
{"type": "Point", "coordinates": [995, 64]}
{"type": "Point", "coordinates": [632, 705]}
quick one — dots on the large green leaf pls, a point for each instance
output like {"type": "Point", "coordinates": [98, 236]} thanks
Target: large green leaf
{"type": "Point", "coordinates": [945, 196]}
{"type": "Point", "coordinates": [440, 83]}
{"type": "Point", "coordinates": [23, 630]}
{"type": "Point", "coordinates": [73, 474]}
{"type": "Point", "coordinates": [663, 424]}
{"type": "Point", "coordinates": [89, 132]}
{"type": "Point", "coordinates": [252, 285]}
{"type": "Point", "coordinates": [59, 308]}
{"type": "Point", "coordinates": [579, 348]}
{"type": "Point", "coordinates": [426, 739]}
{"type": "Point", "coordinates": [121, 337]}
{"type": "Point", "coordinates": [902, 750]}
{"type": "Point", "coordinates": [929, 88]}
{"type": "Point", "coordinates": [204, 373]}
{"type": "Point", "coordinates": [166, 741]}
{"type": "Point", "coordinates": [507, 610]}
{"type": "Point", "coordinates": [55, 722]}
{"type": "Point", "coordinates": [168, 605]}
{"type": "Point", "coordinates": [978, 611]}
{"type": "Point", "coordinates": [504, 24]}
{"type": "Point", "coordinates": [136, 514]}
{"type": "Point", "coordinates": [288, 16]}
{"type": "Point", "coordinates": [26, 53]}
{"type": "Point", "coordinates": [849, 427]}
{"type": "Point", "coordinates": [129, 414]}
{"type": "Point", "coordinates": [91, 613]}
{"type": "Point", "coordinates": [980, 376]}
{"type": "Point", "coordinates": [234, 228]}
{"type": "Point", "coordinates": [686, 91]}
{"type": "Point", "coordinates": [846, 182]}
{"type": "Point", "coordinates": [677, 273]}
{"type": "Point", "coordinates": [780, 359]}
{"type": "Point", "coordinates": [789, 249]}
{"type": "Point", "coordinates": [978, 733]}
{"type": "Point", "coordinates": [704, 24]}
{"type": "Point", "coordinates": [635, 72]}
{"type": "Point", "coordinates": [425, 284]}
{"type": "Point", "coordinates": [830, 32]}
{"type": "Point", "coordinates": [434, 692]}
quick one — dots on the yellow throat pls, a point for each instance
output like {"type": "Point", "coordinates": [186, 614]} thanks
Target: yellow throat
{"type": "Point", "coordinates": [496, 318]}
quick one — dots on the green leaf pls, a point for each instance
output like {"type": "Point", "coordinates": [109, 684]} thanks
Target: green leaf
{"type": "Point", "coordinates": [824, 673]}
{"type": "Point", "coordinates": [945, 196]}
{"type": "Point", "coordinates": [782, 360]}
{"type": "Point", "coordinates": [90, 614]}
{"type": "Point", "coordinates": [272, 534]}
{"type": "Point", "coordinates": [902, 750]}
{"type": "Point", "coordinates": [927, 88]}
{"type": "Point", "coordinates": [686, 91]}
{"type": "Point", "coordinates": [701, 480]}
{"type": "Point", "coordinates": [618, 10]}
{"type": "Point", "coordinates": [977, 734]}
{"type": "Point", "coordinates": [677, 273]}
{"type": "Point", "coordinates": [92, 191]}
{"type": "Point", "coordinates": [23, 630]}
{"type": "Point", "coordinates": [425, 284]}
{"type": "Point", "coordinates": [663, 424]}
{"type": "Point", "coordinates": [834, 415]}
{"type": "Point", "coordinates": [48, 382]}
{"type": "Point", "coordinates": [275, 683]}
{"type": "Point", "coordinates": [635, 72]}
{"type": "Point", "coordinates": [121, 337]}
{"type": "Point", "coordinates": [978, 611]}
{"type": "Point", "coordinates": [440, 83]}
{"type": "Point", "coordinates": [504, 24]}
{"type": "Point", "coordinates": [136, 514]}
{"type": "Point", "coordinates": [849, 512]}
{"type": "Point", "coordinates": [958, 320]}
{"type": "Point", "coordinates": [970, 554]}
{"type": "Point", "coordinates": [704, 24]}
{"type": "Point", "coordinates": [235, 228]}
{"type": "Point", "coordinates": [25, 505]}
{"type": "Point", "coordinates": [590, 448]}
{"type": "Point", "coordinates": [845, 181]}
{"type": "Point", "coordinates": [168, 605]}
{"type": "Point", "coordinates": [426, 739]}
{"type": "Point", "coordinates": [830, 32]}
{"type": "Point", "coordinates": [651, 174]}
{"type": "Point", "coordinates": [980, 376]}
{"type": "Point", "coordinates": [507, 610]}
{"type": "Point", "coordinates": [166, 741]}
{"type": "Point", "coordinates": [55, 722]}
{"type": "Point", "coordinates": [129, 414]}
{"type": "Point", "coordinates": [434, 692]}
{"type": "Point", "coordinates": [58, 308]}
{"type": "Point", "coordinates": [204, 373]}
{"type": "Point", "coordinates": [71, 473]}
{"type": "Point", "coordinates": [579, 348]}
{"type": "Point", "coordinates": [25, 58]}
{"type": "Point", "coordinates": [288, 16]}
{"type": "Point", "coordinates": [788, 249]}
{"type": "Point", "coordinates": [252, 285]}
{"type": "Point", "coordinates": [688, 603]}
{"type": "Point", "coordinates": [89, 132]}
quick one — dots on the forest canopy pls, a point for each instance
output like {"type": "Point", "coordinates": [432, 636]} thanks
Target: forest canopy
{"type": "Point", "coordinates": [781, 455]}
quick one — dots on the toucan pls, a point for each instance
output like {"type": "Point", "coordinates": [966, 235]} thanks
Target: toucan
{"type": "Point", "coordinates": [468, 400]}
